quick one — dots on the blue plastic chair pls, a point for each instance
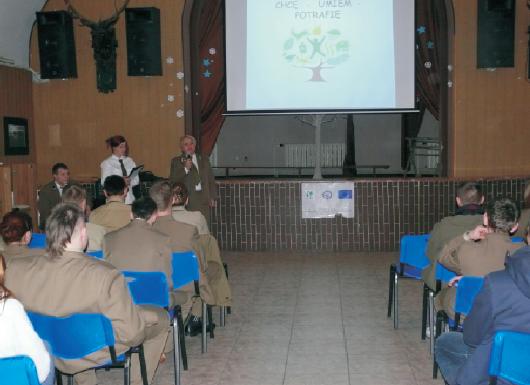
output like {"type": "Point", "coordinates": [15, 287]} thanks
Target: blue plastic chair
{"type": "Point", "coordinates": [78, 335]}
{"type": "Point", "coordinates": [517, 239]}
{"type": "Point", "coordinates": [95, 253]}
{"type": "Point", "coordinates": [510, 358]}
{"type": "Point", "coordinates": [412, 260]}
{"type": "Point", "coordinates": [18, 370]}
{"type": "Point", "coordinates": [38, 241]}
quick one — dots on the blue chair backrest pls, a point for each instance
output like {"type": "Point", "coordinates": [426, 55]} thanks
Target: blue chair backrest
{"type": "Point", "coordinates": [412, 250]}
{"type": "Point", "coordinates": [148, 288]}
{"type": "Point", "coordinates": [18, 370]}
{"type": "Point", "coordinates": [510, 357]}
{"type": "Point", "coordinates": [96, 254]}
{"type": "Point", "coordinates": [185, 267]}
{"type": "Point", "coordinates": [466, 291]}
{"type": "Point", "coordinates": [442, 274]}
{"type": "Point", "coordinates": [74, 336]}
{"type": "Point", "coordinates": [38, 241]}
{"type": "Point", "coordinates": [517, 239]}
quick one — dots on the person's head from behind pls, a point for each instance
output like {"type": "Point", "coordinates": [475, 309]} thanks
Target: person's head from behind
{"type": "Point", "coordinates": [114, 186]}
{"type": "Point", "coordinates": [180, 194]}
{"type": "Point", "coordinates": [61, 174]}
{"type": "Point", "coordinates": [162, 194]}
{"type": "Point", "coordinates": [16, 228]}
{"type": "Point", "coordinates": [144, 209]}
{"type": "Point", "coordinates": [118, 145]}
{"type": "Point", "coordinates": [65, 229]}
{"type": "Point", "coordinates": [469, 193]}
{"type": "Point", "coordinates": [501, 215]}
{"type": "Point", "coordinates": [188, 144]}
{"type": "Point", "coordinates": [4, 292]}
{"type": "Point", "coordinates": [75, 195]}
{"type": "Point", "coordinates": [526, 196]}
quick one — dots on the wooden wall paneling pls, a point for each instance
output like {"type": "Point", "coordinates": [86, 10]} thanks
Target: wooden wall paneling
{"type": "Point", "coordinates": [491, 108]}
{"type": "Point", "coordinates": [73, 119]}
{"type": "Point", "coordinates": [6, 203]}
{"type": "Point", "coordinates": [23, 185]}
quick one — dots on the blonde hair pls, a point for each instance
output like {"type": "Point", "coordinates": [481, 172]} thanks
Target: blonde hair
{"type": "Point", "coordinates": [74, 194]}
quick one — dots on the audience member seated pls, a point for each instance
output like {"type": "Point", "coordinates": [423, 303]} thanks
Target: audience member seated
{"type": "Point", "coordinates": [524, 219]}
{"type": "Point", "coordinates": [481, 250]}
{"type": "Point", "coordinates": [66, 281]}
{"type": "Point", "coordinates": [502, 304]}
{"type": "Point", "coordinates": [184, 237]}
{"type": "Point", "coordinates": [51, 193]}
{"type": "Point", "coordinates": [16, 228]}
{"type": "Point", "coordinates": [180, 214]}
{"type": "Point", "coordinates": [114, 214]}
{"type": "Point", "coordinates": [17, 337]}
{"type": "Point", "coordinates": [77, 196]}
{"type": "Point", "coordinates": [468, 215]}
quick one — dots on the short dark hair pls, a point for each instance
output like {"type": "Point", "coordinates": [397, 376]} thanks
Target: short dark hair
{"type": "Point", "coordinates": [180, 192]}
{"type": "Point", "coordinates": [60, 227]}
{"type": "Point", "coordinates": [469, 193]}
{"type": "Point", "coordinates": [161, 193]}
{"type": "Point", "coordinates": [115, 141]}
{"type": "Point", "coordinates": [57, 166]}
{"type": "Point", "coordinates": [143, 208]}
{"type": "Point", "coordinates": [502, 214]}
{"type": "Point", "coordinates": [14, 225]}
{"type": "Point", "coordinates": [114, 185]}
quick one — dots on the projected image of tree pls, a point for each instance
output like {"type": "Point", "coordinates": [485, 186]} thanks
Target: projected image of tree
{"type": "Point", "coordinates": [316, 50]}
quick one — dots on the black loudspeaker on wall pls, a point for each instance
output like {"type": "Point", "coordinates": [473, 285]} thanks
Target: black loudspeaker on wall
{"type": "Point", "coordinates": [143, 41]}
{"type": "Point", "coordinates": [56, 45]}
{"type": "Point", "coordinates": [496, 33]}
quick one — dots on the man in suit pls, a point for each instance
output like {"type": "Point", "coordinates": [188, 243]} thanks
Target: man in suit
{"type": "Point", "coordinates": [468, 215]}
{"type": "Point", "coordinates": [50, 194]}
{"type": "Point", "coordinates": [114, 214]}
{"type": "Point", "coordinates": [481, 250]}
{"type": "Point", "coordinates": [185, 237]}
{"type": "Point", "coordinates": [195, 172]}
{"type": "Point", "coordinates": [66, 281]}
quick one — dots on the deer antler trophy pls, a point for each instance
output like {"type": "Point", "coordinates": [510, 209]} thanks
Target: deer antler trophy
{"type": "Point", "coordinates": [104, 44]}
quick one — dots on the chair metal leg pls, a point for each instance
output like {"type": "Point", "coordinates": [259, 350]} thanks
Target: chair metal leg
{"type": "Point", "coordinates": [70, 379]}
{"type": "Point", "coordinates": [424, 310]}
{"type": "Point", "coordinates": [434, 368]}
{"type": "Point", "coordinates": [176, 351]}
{"type": "Point", "coordinates": [210, 320]}
{"type": "Point", "coordinates": [431, 322]}
{"type": "Point", "coordinates": [143, 369]}
{"type": "Point", "coordinates": [222, 315]}
{"type": "Point", "coordinates": [390, 289]}
{"type": "Point", "coordinates": [204, 324]}
{"type": "Point", "coordinates": [58, 377]}
{"type": "Point", "coordinates": [395, 299]}
{"type": "Point", "coordinates": [180, 325]}
{"type": "Point", "coordinates": [127, 371]}
{"type": "Point", "coordinates": [228, 308]}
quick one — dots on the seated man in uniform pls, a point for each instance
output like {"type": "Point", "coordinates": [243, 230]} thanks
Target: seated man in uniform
{"type": "Point", "coordinates": [468, 215]}
{"type": "Point", "coordinates": [481, 250]}
{"type": "Point", "coordinates": [114, 214]}
{"type": "Point", "coordinates": [77, 196]}
{"type": "Point", "coordinates": [180, 214]}
{"type": "Point", "coordinates": [66, 281]}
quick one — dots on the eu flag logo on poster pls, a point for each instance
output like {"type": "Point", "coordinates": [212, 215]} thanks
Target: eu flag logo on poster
{"type": "Point", "coordinates": [345, 194]}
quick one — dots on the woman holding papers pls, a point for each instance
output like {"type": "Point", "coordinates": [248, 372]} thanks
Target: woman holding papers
{"type": "Point", "coordinates": [119, 163]}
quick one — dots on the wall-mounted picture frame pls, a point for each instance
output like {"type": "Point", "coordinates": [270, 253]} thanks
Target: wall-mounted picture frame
{"type": "Point", "coordinates": [16, 136]}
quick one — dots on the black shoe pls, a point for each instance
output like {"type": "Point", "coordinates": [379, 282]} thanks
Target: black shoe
{"type": "Point", "coordinates": [193, 326]}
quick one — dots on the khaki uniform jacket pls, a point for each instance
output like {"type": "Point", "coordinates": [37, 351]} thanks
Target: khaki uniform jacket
{"type": "Point", "coordinates": [469, 258]}
{"type": "Point", "coordinates": [112, 216]}
{"type": "Point", "coordinates": [216, 272]}
{"type": "Point", "coordinates": [139, 247]}
{"type": "Point", "coordinates": [49, 198]}
{"type": "Point", "coordinates": [523, 223]}
{"type": "Point", "coordinates": [194, 218]}
{"type": "Point", "coordinates": [198, 200]}
{"type": "Point", "coordinates": [76, 283]}
{"type": "Point", "coordinates": [95, 235]}
{"type": "Point", "coordinates": [12, 252]}
{"type": "Point", "coordinates": [443, 232]}
{"type": "Point", "coordinates": [185, 237]}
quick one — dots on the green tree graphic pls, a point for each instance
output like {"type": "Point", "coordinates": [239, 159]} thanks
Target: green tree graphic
{"type": "Point", "coordinates": [316, 50]}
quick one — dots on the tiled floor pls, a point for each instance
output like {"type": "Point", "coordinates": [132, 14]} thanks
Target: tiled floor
{"type": "Point", "coordinates": [310, 319]}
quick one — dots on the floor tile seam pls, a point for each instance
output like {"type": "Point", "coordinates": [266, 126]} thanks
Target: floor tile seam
{"type": "Point", "coordinates": [302, 263]}
{"type": "Point", "coordinates": [342, 319]}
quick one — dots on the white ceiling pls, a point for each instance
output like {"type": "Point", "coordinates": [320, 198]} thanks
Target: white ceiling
{"type": "Point", "coordinates": [16, 20]}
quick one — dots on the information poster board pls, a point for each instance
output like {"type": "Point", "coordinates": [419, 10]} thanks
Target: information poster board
{"type": "Point", "coordinates": [327, 200]}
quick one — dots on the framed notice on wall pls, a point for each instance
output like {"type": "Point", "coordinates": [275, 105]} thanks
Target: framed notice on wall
{"type": "Point", "coordinates": [327, 200]}
{"type": "Point", "coordinates": [16, 136]}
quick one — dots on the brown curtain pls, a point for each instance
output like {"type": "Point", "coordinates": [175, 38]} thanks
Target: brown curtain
{"type": "Point", "coordinates": [211, 73]}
